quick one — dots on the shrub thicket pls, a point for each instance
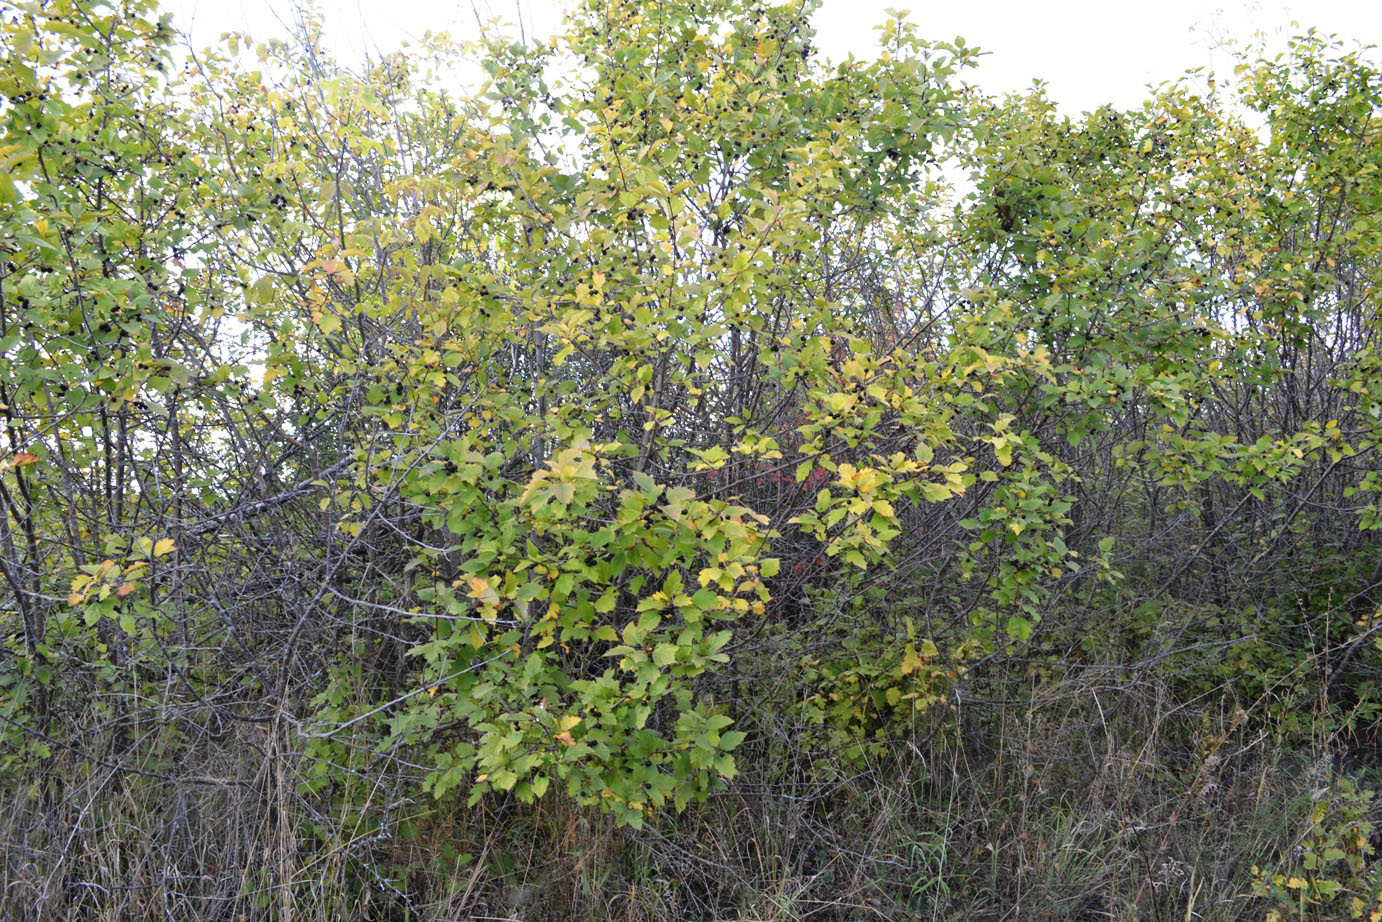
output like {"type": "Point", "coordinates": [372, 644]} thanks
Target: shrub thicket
{"type": "Point", "coordinates": [648, 488]}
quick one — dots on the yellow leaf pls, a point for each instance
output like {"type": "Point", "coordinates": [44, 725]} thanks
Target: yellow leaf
{"type": "Point", "coordinates": [75, 599]}
{"type": "Point", "coordinates": [163, 546]}
{"type": "Point", "coordinates": [666, 123]}
{"type": "Point", "coordinates": [481, 590]}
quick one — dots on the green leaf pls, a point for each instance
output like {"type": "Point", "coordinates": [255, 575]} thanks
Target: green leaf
{"type": "Point", "coordinates": [261, 292]}
{"type": "Point", "coordinates": [706, 599]}
{"type": "Point", "coordinates": [935, 492]}
{"type": "Point", "coordinates": [1019, 628]}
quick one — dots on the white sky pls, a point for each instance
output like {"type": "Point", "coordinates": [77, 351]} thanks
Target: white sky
{"type": "Point", "coordinates": [1088, 51]}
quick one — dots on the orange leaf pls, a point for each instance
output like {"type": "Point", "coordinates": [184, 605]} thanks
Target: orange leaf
{"type": "Point", "coordinates": [564, 737]}
{"type": "Point", "coordinates": [76, 599]}
{"type": "Point", "coordinates": [124, 589]}
{"type": "Point", "coordinates": [22, 458]}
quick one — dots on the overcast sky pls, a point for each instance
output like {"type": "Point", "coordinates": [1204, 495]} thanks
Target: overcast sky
{"type": "Point", "coordinates": [1088, 51]}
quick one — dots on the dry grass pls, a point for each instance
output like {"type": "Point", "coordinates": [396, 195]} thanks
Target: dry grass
{"type": "Point", "coordinates": [1091, 795]}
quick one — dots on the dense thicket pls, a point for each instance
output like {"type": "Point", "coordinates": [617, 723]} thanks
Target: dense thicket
{"type": "Point", "coordinates": [684, 479]}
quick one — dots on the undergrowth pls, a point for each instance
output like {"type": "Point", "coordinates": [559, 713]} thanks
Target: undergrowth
{"type": "Point", "coordinates": [1045, 791]}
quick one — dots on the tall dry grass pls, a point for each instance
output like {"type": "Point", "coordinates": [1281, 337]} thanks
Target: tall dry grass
{"type": "Point", "coordinates": [1072, 794]}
